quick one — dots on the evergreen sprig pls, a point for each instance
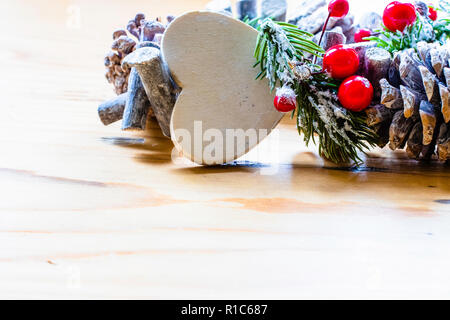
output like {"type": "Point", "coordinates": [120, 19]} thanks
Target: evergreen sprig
{"type": "Point", "coordinates": [442, 30]}
{"type": "Point", "coordinates": [341, 134]}
{"type": "Point", "coordinates": [334, 142]}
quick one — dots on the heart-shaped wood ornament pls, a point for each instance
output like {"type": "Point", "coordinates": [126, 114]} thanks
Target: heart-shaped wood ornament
{"type": "Point", "coordinates": [222, 111]}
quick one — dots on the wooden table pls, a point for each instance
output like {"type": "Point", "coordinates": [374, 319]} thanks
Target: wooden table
{"type": "Point", "coordinates": [87, 211]}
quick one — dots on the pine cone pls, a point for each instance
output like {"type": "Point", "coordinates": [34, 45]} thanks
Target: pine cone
{"type": "Point", "coordinates": [115, 74]}
{"type": "Point", "coordinates": [414, 110]}
{"type": "Point", "coordinates": [124, 43]}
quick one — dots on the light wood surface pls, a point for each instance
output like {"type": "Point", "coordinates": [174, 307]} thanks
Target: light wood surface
{"type": "Point", "coordinates": [87, 211]}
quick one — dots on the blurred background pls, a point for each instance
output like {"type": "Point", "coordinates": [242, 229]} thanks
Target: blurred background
{"type": "Point", "coordinates": [67, 31]}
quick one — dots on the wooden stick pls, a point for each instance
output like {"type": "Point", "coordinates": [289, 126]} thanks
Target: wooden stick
{"type": "Point", "coordinates": [376, 67]}
{"type": "Point", "coordinates": [428, 117]}
{"type": "Point", "coordinates": [112, 110]}
{"type": "Point", "coordinates": [390, 96]}
{"type": "Point", "coordinates": [138, 106]}
{"type": "Point", "coordinates": [157, 82]}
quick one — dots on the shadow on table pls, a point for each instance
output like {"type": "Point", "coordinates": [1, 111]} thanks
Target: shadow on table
{"type": "Point", "coordinates": [151, 145]}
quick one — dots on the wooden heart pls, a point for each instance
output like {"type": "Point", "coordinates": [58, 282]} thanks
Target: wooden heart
{"type": "Point", "coordinates": [210, 56]}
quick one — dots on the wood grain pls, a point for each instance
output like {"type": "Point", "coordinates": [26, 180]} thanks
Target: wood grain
{"type": "Point", "coordinates": [89, 211]}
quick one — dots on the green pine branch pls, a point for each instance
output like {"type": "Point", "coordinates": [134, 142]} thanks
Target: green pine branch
{"type": "Point", "coordinates": [340, 134]}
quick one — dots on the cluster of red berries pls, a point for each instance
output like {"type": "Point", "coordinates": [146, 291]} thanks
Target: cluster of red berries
{"type": "Point", "coordinates": [342, 62]}
{"type": "Point", "coordinates": [396, 17]}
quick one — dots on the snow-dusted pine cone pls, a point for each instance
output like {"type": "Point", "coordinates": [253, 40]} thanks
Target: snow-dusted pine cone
{"type": "Point", "coordinates": [414, 110]}
{"type": "Point", "coordinates": [115, 74]}
{"type": "Point", "coordinates": [139, 29]}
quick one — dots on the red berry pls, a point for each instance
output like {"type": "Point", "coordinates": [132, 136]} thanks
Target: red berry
{"type": "Point", "coordinates": [433, 13]}
{"type": "Point", "coordinates": [361, 34]}
{"type": "Point", "coordinates": [285, 100]}
{"type": "Point", "coordinates": [397, 16]}
{"type": "Point", "coordinates": [355, 93]}
{"type": "Point", "coordinates": [341, 61]}
{"type": "Point", "coordinates": [283, 104]}
{"type": "Point", "coordinates": [338, 8]}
